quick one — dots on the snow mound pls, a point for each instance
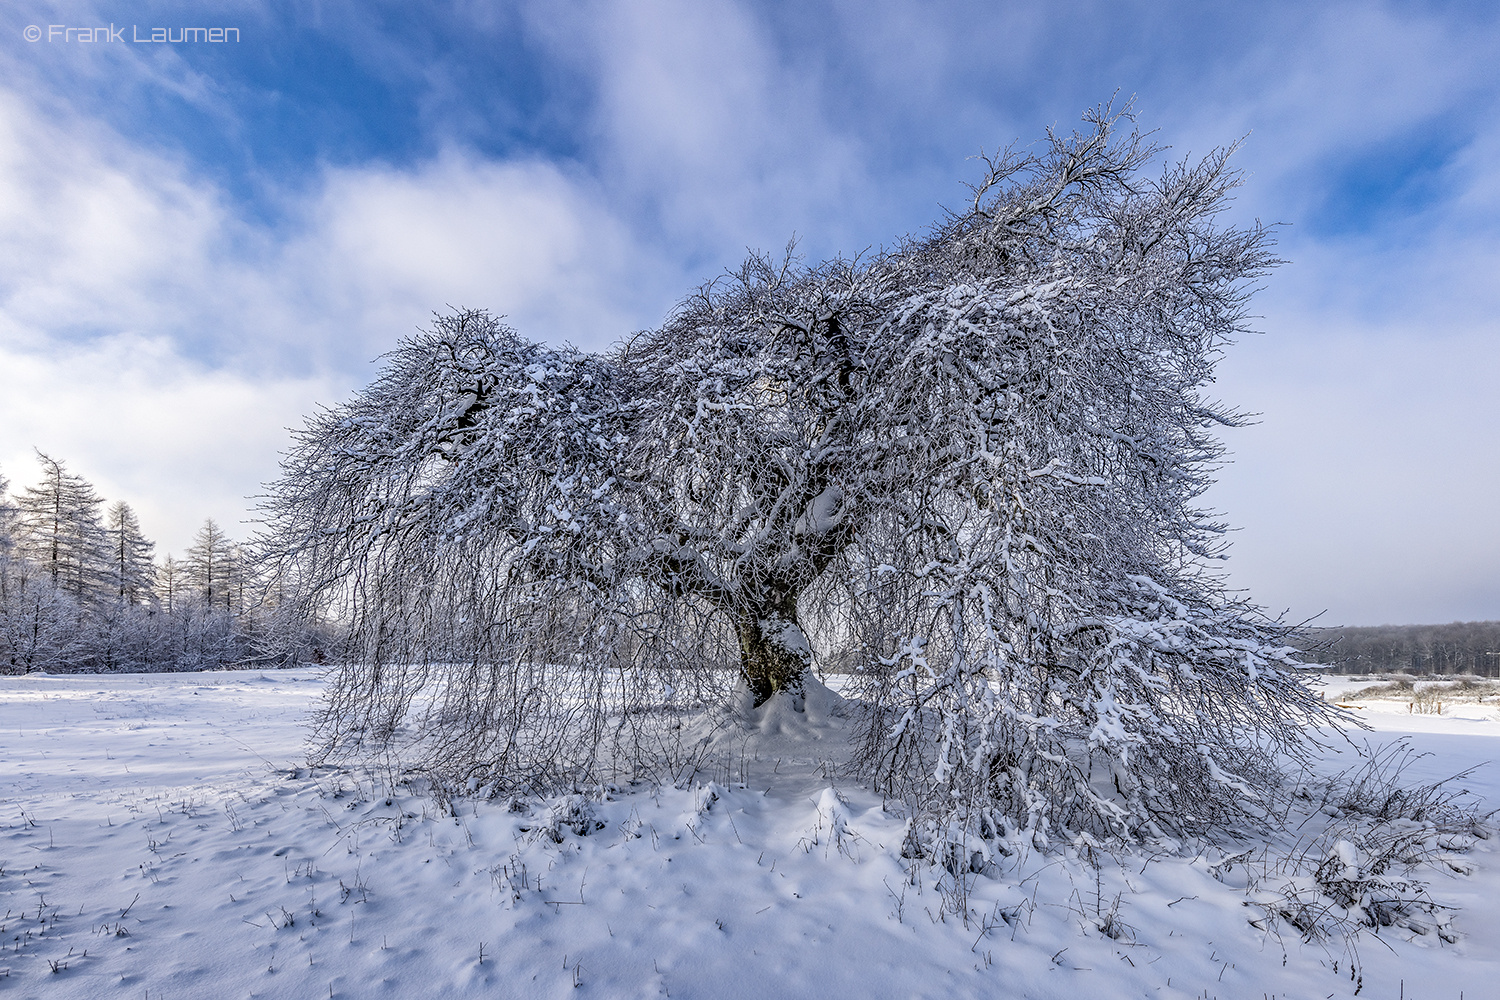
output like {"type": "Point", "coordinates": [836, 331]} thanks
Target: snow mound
{"type": "Point", "coordinates": [817, 709]}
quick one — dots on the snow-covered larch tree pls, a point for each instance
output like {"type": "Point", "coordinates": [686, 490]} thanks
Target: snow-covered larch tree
{"type": "Point", "coordinates": [131, 571]}
{"type": "Point", "coordinates": [967, 467]}
{"type": "Point", "coordinates": [211, 563]}
{"type": "Point", "coordinates": [61, 533]}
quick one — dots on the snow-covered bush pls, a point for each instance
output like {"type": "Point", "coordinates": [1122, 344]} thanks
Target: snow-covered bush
{"type": "Point", "coordinates": [1368, 842]}
{"type": "Point", "coordinates": [966, 469]}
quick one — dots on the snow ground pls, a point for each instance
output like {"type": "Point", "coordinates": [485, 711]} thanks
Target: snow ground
{"type": "Point", "coordinates": [161, 837]}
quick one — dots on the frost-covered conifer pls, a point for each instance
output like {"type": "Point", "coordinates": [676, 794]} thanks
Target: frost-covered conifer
{"type": "Point", "coordinates": [60, 531]}
{"type": "Point", "coordinates": [131, 569]}
{"type": "Point", "coordinates": [213, 570]}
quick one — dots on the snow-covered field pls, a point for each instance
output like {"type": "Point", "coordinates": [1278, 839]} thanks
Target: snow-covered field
{"type": "Point", "coordinates": [162, 838]}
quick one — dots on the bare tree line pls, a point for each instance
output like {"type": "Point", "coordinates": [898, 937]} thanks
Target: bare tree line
{"type": "Point", "coordinates": [1456, 648]}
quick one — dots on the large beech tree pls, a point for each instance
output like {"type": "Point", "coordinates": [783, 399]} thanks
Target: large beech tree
{"type": "Point", "coordinates": [966, 468]}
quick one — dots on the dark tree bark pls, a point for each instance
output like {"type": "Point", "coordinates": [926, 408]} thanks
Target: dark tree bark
{"type": "Point", "coordinates": [774, 653]}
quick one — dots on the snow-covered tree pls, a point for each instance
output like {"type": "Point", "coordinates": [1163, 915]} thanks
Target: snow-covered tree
{"type": "Point", "coordinates": [212, 564]}
{"type": "Point", "coordinates": [39, 624]}
{"type": "Point", "coordinates": [78, 595]}
{"type": "Point", "coordinates": [969, 467]}
{"type": "Point", "coordinates": [7, 520]}
{"type": "Point", "coordinates": [131, 569]}
{"type": "Point", "coordinates": [8, 554]}
{"type": "Point", "coordinates": [60, 531]}
{"type": "Point", "coordinates": [170, 581]}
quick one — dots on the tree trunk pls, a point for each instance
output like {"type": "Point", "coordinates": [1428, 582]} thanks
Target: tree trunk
{"type": "Point", "coordinates": [774, 653]}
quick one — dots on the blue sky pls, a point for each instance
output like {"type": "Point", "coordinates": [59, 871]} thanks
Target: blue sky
{"type": "Point", "coordinates": [199, 243]}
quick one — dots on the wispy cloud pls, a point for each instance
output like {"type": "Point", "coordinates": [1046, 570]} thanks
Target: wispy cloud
{"type": "Point", "coordinates": [709, 132]}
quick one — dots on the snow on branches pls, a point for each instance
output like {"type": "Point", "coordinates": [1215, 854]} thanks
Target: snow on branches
{"type": "Point", "coordinates": [966, 468]}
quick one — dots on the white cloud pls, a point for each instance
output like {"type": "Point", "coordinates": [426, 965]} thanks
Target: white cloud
{"type": "Point", "coordinates": [1366, 490]}
{"type": "Point", "coordinates": [386, 247]}
{"type": "Point", "coordinates": [1329, 88]}
{"type": "Point", "coordinates": [178, 441]}
{"type": "Point", "coordinates": [96, 236]}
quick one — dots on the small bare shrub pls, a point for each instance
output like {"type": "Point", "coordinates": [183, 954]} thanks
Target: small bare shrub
{"type": "Point", "coordinates": [1366, 863]}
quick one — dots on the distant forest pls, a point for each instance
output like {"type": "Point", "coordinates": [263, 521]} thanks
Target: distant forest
{"type": "Point", "coordinates": [1459, 648]}
{"type": "Point", "coordinates": [81, 590]}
